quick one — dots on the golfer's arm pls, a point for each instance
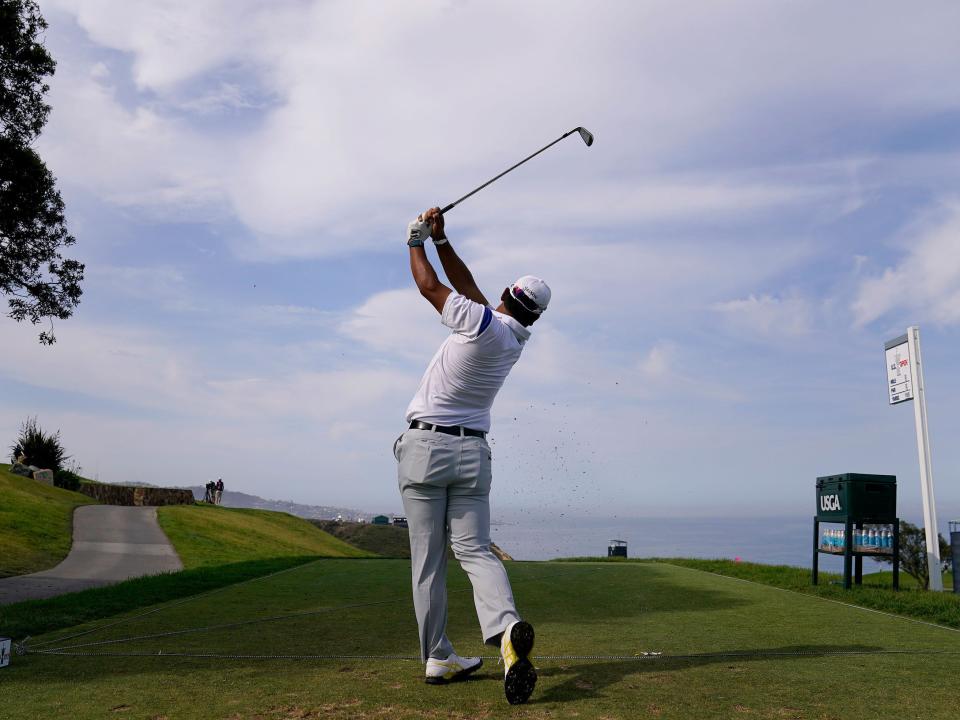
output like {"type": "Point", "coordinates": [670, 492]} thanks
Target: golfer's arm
{"type": "Point", "coordinates": [458, 273]}
{"type": "Point", "coordinates": [426, 278]}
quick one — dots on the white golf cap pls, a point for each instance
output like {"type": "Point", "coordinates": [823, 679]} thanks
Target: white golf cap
{"type": "Point", "coordinates": [531, 292]}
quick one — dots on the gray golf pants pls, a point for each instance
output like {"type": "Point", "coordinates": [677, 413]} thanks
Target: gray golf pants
{"type": "Point", "coordinates": [445, 485]}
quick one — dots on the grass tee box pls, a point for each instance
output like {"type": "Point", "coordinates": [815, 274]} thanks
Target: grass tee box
{"type": "Point", "coordinates": [729, 649]}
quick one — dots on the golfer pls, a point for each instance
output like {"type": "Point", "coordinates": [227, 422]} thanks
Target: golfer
{"type": "Point", "coordinates": [445, 461]}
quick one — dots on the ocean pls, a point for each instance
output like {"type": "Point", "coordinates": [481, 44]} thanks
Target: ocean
{"type": "Point", "coordinates": [773, 540]}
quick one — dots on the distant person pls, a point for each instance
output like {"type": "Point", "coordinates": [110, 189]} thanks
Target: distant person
{"type": "Point", "coordinates": [208, 495]}
{"type": "Point", "coordinates": [445, 460]}
{"type": "Point", "coordinates": [219, 490]}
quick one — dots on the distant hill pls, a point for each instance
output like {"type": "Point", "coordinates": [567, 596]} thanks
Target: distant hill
{"type": "Point", "coordinates": [384, 540]}
{"type": "Point", "coordinates": [232, 498]}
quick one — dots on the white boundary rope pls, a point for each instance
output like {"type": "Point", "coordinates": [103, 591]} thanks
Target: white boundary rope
{"type": "Point", "coordinates": [645, 656]}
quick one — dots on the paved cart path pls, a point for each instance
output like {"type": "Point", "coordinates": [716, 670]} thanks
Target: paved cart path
{"type": "Point", "coordinates": [110, 543]}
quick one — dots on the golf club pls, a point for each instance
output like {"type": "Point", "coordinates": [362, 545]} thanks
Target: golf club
{"type": "Point", "coordinates": [585, 134]}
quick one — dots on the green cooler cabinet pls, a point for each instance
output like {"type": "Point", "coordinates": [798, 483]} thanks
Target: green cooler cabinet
{"type": "Point", "coordinates": [856, 500]}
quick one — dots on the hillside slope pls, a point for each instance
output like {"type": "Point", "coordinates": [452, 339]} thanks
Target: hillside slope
{"type": "Point", "coordinates": [36, 523]}
{"type": "Point", "coordinates": [206, 535]}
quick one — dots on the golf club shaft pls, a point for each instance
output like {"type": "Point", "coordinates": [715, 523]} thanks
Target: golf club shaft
{"type": "Point", "coordinates": [514, 167]}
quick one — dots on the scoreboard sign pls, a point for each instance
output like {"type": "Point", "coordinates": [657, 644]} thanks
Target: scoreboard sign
{"type": "Point", "coordinates": [899, 376]}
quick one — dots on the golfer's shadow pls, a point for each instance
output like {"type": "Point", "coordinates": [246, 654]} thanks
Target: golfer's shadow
{"type": "Point", "coordinates": [591, 678]}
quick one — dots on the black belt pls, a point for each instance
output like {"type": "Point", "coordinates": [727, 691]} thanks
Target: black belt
{"type": "Point", "coordinates": [447, 429]}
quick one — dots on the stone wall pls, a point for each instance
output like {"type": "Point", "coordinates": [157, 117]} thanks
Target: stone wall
{"type": "Point", "coordinates": [127, 495]}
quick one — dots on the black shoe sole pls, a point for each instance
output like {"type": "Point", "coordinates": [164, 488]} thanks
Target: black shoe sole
{"type": "Point", "coordinates": [520, 681]}
{"type": "Point", "coordinates": [462, 675]}
{"type": "Point", "coordinates": [521, 678]}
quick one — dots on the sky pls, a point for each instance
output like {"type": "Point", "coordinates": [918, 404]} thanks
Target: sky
{"type": "Point", "coordinates": [774, 191]}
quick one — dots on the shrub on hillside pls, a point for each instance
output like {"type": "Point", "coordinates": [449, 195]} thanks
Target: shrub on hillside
{"type": "Point", "coordinates": [38, 448]}
{"type": "Point", "coordinates": [67, 479]}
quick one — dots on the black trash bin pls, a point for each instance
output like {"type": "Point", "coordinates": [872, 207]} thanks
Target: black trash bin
{"type": "Point", "coordinates": [617, 548]}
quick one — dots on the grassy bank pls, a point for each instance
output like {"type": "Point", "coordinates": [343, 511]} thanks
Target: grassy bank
{"type": "Point", "coordinates": [730, 649]}
{"type": "Point", "coordinates": [36, 523]}
{"type": "Point", "coordinates": [207, 535]}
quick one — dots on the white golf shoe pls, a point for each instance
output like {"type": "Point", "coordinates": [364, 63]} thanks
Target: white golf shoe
{"type": "Point", "coordinates": [441, 672]}
{"type": "Point", "coordinates": [519, 676]}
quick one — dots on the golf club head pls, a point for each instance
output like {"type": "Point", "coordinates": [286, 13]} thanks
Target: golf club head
{"type": "Point", "coordinates": [586, 135]}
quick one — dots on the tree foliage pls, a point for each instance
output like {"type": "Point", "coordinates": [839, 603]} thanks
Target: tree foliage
{"type": "Point", "coordinates": [913, 553]}
{"type": "Point", "coordinates": [38, 281]}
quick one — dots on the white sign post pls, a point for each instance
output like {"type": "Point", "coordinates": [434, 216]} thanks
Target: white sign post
{"type": "Point", "coordinates": [905, 382]}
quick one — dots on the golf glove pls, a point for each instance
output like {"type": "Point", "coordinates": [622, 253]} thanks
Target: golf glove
{"type": "Point", "coordinates": [417, 232]}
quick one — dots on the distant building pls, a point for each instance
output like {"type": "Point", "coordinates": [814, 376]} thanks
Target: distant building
{"type": "Point", "coordinates": [400, 521]}
{"type": "Point", "coordinates": [381, 520]}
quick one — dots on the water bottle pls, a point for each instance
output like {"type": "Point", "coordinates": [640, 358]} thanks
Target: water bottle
{"type": "Point", "coordinates": [888, 539]}
{"type": "Point", "coordinates": [857, 538]}
{"type": "Point", "coordinates": [873, 539]}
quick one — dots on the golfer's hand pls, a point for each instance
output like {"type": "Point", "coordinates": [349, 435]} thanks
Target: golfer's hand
{"type": "Point", "coordinates": [435, 218]}
{"type": "Point", "coordinates": [417, 232]}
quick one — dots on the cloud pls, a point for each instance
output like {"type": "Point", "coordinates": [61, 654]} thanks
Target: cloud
{"type": "Point", "coordinates": [131, 157]}
{"type": "Point", "coordinates": [354, 134]}
{"type": "Point", "coordinates": [161, 285]}
{"type": "Point", "coordinates": [658, 362]}
{"type": "Point", "coordinates": [729, 191]}
{"type": "Point", "coordinates": [398, 323]}
{"type": "Point", "coordinates": [172, 41]}
{"type": "Point", "coordinates": [768, 316]}
{"type": "Point", "coordinates": [925, 284]}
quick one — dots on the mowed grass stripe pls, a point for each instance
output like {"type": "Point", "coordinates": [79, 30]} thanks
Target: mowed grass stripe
{"type": "Point", "coordinates": [36, 523]}
{"type": "Point", "coordinates": [206, 536]}
{"type": "Point", "coordinates": [862, 608]}
{"type": "Point", "coordinates": [319, 588]}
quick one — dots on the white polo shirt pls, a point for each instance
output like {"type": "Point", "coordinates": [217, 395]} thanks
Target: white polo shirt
{"type": "Point", "coordinates": [468, 370]}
